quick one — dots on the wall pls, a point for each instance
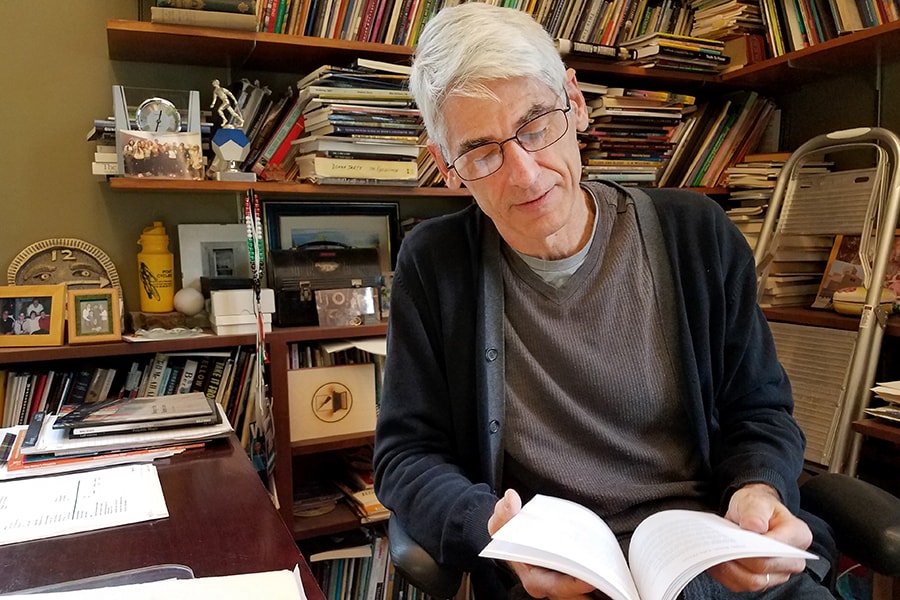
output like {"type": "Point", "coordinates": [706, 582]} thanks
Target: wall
{"type": "Point", "coordinates": [57, 78]}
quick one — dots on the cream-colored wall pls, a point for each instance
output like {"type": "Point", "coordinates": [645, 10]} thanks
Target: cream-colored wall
{"type": "Point", "coordinates": [56, 78]}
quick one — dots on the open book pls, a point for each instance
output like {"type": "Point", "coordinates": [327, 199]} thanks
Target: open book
{"type": "Point", "coordinates": [667, 550]}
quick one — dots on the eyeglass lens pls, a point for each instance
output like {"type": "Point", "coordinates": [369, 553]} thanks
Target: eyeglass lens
{"type": "Point", "coordinates": [536, 134]}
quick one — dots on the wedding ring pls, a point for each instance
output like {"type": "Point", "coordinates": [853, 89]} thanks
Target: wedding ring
{"type": "Point", "coordinates": [767, 583]}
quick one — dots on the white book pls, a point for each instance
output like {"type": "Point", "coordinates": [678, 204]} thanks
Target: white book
{"type": "Point", "coordinates": [668, 549]}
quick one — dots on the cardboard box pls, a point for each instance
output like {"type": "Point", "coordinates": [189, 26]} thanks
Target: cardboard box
{"type": "Point", "coordinates": [238, 324]}
{"type": "Point", "coordinates": [328, 401]}
{"type": "Point", "coordinates": [238, 302]}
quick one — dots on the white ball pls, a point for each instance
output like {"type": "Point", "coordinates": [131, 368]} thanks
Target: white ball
{"type": "Point", "coordinates": [188, 301]}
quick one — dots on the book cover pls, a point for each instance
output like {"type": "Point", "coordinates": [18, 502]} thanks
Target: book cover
{"type": "Point", "coordinates": [247, 7]}
{"type": "Point", "coordinates": [202, 18]}
{"type": "Point", "coordinates": [133, 410]}
{"type": "Point", "coordinates": [668, 549]}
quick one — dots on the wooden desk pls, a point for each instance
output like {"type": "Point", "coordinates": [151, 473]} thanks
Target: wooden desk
{"type": "Point", "coordinates": [221, 522]}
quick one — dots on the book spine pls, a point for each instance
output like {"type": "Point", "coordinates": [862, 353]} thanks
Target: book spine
{"type": "Point", "coordinates": [376, 169]}
{"type": "Point", "coordinates": [215, 379]}
{"type": "Point", "coordinates": [237, 6]}
{"type": "Point", "coordinates": [157, 370]}
{"type": "Point", "coordinates": [187, 376]}
{"type": "Point", "coordinates": [261, 168]}
{"type": "Point", "coordinates": [202, 18]}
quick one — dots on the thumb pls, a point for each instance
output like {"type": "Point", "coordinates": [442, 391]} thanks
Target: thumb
{"type": "Point", "coordinates": [505, 509]}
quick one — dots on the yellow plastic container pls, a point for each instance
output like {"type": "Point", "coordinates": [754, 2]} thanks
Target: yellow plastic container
{"type": "Point", "coordinates": [156, 270]}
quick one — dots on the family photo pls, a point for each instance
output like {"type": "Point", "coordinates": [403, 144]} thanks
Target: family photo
{"type": "Point", "coordinates": [25, 316]}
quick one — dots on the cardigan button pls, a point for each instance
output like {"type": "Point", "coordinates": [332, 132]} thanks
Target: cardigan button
{"type": "Point", "coordinates": [491, 354]}
{"type": "Point", "coordinates": [494, 426]}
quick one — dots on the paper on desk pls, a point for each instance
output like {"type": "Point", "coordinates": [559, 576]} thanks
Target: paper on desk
{"type": "Point", "coordinates": [271, 585]}
{"type": "Point", "coordinates": [55, 441]}
{"type": "Point", "coordinates": [375, 345]}
{"type": "Point", "coordinates": [44, 507]}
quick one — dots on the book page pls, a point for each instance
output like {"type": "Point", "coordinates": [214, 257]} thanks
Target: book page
{"type": "Point", "coordinates": [271, 585]}
{"type": "Point", "coordinates": [567, 537]}
{"type": "Point", "coordinates": [672, 547]}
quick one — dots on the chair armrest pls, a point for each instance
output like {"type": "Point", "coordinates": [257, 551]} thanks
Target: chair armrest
{"type": "Point", "coordinates": [865, 519]}
{"type": "Point", "coordinates": [417, 566]}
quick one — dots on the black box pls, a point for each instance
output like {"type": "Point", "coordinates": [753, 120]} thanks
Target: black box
{"type": "Point", "coordinates": [297, 273]}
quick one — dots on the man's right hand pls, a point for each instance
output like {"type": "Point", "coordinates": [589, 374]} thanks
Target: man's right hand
{"type": "Point", "coordinates": [537, 581]}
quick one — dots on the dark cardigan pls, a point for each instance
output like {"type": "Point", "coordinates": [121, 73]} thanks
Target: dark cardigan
{"type": "Point", "coordinates": [438, 448]}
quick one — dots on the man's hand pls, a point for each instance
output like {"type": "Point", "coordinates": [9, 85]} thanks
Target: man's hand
{"type": "Point", "coordinates": [537, 581]}
{"type": "Point", "coordinates": [757, 507]}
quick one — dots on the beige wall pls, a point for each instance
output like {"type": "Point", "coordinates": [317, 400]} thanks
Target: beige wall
{"type": "Point", "coordinates": [56, 79]}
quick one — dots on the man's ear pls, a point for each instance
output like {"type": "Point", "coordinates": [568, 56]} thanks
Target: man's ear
{"type": "Point", "coordinates": [453, 182]}
{"type": "Point", "coordinates": [577, 99]}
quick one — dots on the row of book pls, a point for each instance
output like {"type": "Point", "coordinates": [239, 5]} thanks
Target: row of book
{"type": "Point", "coordinates": [363, 571]}
{"type": "Point", "coordinates": [399, 22]}
{"type": "Point", "coordinates": [227, 378]}
{"type": "Point", "coordinates": [661, 138]}
{"type": "Point", "coordinates": [792, 25]}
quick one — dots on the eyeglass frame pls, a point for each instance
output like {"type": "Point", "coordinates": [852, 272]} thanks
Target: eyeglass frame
{"type": "Point", "coordinates": [564, 111]}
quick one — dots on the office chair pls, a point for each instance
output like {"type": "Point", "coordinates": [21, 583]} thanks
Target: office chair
{"type": "Point", "coordinates": [865, 520]}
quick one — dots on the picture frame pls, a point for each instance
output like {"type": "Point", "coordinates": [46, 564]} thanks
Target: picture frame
{"type": "Point", "coordinates": [46, 328]}
{"type": "Point", "coordinates": [356, 224]}
{"type": "Point", "coordinates": [94, 315]}
{"type": "Point", "coordinates": [214, 251]}
{"type": "Point", "coordinates": [844, 269]}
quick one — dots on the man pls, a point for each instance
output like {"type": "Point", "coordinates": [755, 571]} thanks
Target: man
{"type": "Point", "coordinates": [576, 340]}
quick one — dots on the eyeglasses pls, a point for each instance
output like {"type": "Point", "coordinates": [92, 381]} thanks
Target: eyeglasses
{"type": "Point", "coordinates": [538, 133]}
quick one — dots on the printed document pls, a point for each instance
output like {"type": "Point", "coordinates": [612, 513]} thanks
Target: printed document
{"type": "Point", "coordinates": [50, 506]}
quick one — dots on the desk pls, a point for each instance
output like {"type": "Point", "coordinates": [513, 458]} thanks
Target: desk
{"type": "Point", "coordinates": [221, 522]}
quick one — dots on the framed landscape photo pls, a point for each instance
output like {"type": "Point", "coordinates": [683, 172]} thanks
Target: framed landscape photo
{"type": "Point", "coordinates": [32, 315]}
{"type": "Point", "coordinates": [356, 224]}
{"type": "Point", "coordinates": [94, 316]}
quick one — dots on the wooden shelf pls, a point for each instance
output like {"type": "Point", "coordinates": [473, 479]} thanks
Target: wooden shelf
{"type": "Point", "coordinates": [178, 44]}
{"type": "Point", "coordinates": [129, 184]}
{"type": "Point", "coordinates": [844, 54]}
{"type": "Point", "coordinates": [329, 444]}
{"type": "Point", "coordinates": [824, 318]}
{"type": "Point", "coordinates": [123, 348]}
{"type": "Point", "coordinates": [877, 428]}
{"type": "Point", "coordinates": [342, 518]}
{"type": "Point", "coordinates": [184, 45]}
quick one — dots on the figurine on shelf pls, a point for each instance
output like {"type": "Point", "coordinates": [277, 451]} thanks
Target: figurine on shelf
{"type": "Point", "coordinates": [227, 103]}
{"type": "Point", "coordinates": [230, 143]}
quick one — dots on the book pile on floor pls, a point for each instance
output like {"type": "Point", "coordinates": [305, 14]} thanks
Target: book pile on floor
{"type": "Point", "coordinates": [661, 50]}
{"type": "Point", "coordinates": [360, 126]}
{"type": "Point", "coordinates": [631, 135]}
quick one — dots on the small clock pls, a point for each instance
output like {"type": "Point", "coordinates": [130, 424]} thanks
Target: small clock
{"type": "Point", "coordinates": [157, 115]}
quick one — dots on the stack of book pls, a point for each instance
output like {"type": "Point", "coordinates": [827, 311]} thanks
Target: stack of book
{"type": "Point", "coordinates": [631, 134]}
{"type": "Point", "coordinates": [360, 126]}
{"type": "Point", "coordinates": [679, 52]}
{"type": "Point", "coordinates": [719, 134]}
{"type": "Point", "coordinates": [724, 19]}
{"type": "Point", "coordinates": [223, 14]}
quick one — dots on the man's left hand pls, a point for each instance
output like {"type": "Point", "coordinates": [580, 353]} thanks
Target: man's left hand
{"type": "Point", "coordinates": [757, 507]}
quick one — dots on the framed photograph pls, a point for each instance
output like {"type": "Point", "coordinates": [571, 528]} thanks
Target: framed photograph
{"type": "Point", "coordinates": [845, 270]}
{"type": "Point", "coordinates": [32, 315]}
{"type": "Point", "coordinates": [213, 251]}
{"type": "Point", "coordinates": [359, 225]}
{"type": "Point", "coordinates": [94, 316]}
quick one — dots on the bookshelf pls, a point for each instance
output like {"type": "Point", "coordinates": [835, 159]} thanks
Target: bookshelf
{"type": "Point", "coordinates": [247, 51]}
